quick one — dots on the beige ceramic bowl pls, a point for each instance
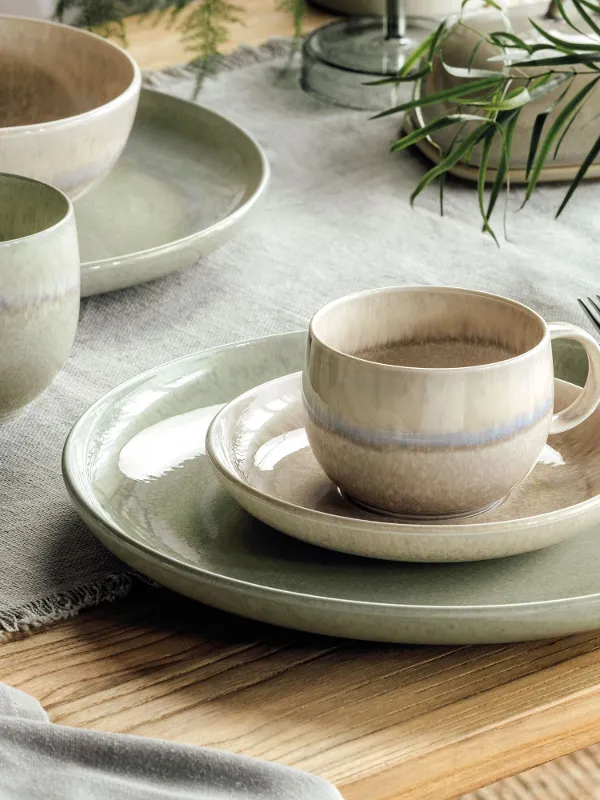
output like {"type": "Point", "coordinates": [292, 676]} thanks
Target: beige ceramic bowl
{"type": "Point", "coordinates": [67, 103]}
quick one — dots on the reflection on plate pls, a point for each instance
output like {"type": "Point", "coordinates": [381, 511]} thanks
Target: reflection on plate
{"type": "Point", "coordinates": [170, 519]}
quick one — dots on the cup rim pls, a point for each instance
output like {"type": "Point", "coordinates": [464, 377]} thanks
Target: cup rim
{"type": "Point", "coordinates": [544, 340]}
{"type": "Point", "coordinates": [69, 212]}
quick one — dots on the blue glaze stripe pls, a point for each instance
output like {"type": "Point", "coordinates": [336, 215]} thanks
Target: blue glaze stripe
{"type": "Point", "coordinates": [378, 438]}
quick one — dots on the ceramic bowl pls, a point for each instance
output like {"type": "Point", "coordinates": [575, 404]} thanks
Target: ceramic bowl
{"type": "Point", "coordinates": [39, 288]}
{"type": "Point", "coordinates": [67, 103]}
{"type": "Point", "coordinates": [458, 50]}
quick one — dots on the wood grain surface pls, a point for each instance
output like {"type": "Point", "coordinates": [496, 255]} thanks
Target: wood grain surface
{"type": "Point", "coordinates": [382, 722]}
{"type": "Point", "coordinates": [159, 46]}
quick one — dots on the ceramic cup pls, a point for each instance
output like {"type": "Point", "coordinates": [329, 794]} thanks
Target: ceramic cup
{"type": "Point", "coordinates": [455, 432]}
{"type": "Point", "coordinates": [39, 288]}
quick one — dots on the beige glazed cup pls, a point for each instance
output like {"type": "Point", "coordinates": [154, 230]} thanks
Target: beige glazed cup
{"type": "Point", "coordinates": [434, 441]}
{"type": "Point", "coordinates": [39, 288]}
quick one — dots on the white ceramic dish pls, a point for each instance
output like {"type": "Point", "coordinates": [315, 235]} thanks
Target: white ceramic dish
{"type": "Point", "coordinates": [67, 103]}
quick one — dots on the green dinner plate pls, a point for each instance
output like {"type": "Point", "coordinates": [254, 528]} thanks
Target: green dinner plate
{"type": "Point", "coordinates": [136, 469]}
{"type": "Point", "coordinates": [187, 180]}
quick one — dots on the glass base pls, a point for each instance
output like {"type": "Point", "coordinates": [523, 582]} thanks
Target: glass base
{"type": "Point", "coordinates": [340, 58]}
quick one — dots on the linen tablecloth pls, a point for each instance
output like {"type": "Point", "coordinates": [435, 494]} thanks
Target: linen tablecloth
{"type": "Point", "coordinates": [336, 220]}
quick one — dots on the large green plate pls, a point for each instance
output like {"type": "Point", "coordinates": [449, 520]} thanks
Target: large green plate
{"type": "Point", "coordinates": [136, 469]}
{"type": "Point", "coordinates": [187, 180]}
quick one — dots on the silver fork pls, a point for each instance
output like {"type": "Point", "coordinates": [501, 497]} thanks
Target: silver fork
{"type": "Point", "coordinates": [592, 309]}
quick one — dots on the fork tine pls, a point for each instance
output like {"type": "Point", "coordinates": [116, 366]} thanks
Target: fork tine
{"type": "Point", "coordinates": [594, 304]}
{"type": "Point", "coordinates": [589, 313]}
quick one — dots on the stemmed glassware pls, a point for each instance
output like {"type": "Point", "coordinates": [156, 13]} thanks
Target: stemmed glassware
{"type": "Point", "coordinates": [340, 58]}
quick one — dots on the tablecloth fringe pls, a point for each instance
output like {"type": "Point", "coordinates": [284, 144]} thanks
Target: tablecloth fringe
{"type": "Point", "coordinates": [243, 56]}
{"type": "Point", "coordinates": [112, 587]}
{"type": "Point", "coordinates": [63, 605]}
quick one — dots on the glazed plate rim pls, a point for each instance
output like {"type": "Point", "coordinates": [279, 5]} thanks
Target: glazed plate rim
{"type": "Point", "coordinates": [85, 424]}
{"type": "Point", "coordinates": [376, 526]}
{"type": "Point", "coordinates": [256, 190]}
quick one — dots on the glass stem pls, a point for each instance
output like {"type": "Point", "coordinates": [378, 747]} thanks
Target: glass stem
{"type": "Point", "coordinates": [395, 22]}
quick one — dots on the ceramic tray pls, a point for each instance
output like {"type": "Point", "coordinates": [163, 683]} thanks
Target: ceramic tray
{"type": "Point", "coordinates": [186, 181]}
{"type": "Point", "coordinates": [136, 469]}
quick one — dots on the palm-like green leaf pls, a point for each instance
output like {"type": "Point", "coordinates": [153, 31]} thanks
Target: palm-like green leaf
{"type": "Point", "coordinates": [515, 100]}
{"type": "Point", "coordinates": [458, 93]}
{"type": "Point", "coordinates": [582, 8]}
{"type": "Point", "coordinates": [406, 73]}
{"type": "Point", "coordinates": [503, 165]}
{"type": "Point", "coordinates": [594, 7]}
{"type": "Point", "coordinates": [425, 131]}
{"type": "Point", "coordinates": [561, 8]}
{"type": "Point", "coordinates": [409, 77]}
{"type": "Point", "coordinates": [489, 91]}
{"type": "Point", "coordinates": [565, 130]}
{"type": "Point", "coordinates": [507, 39]}
{"type": "Point", "coordinates": [452, 158]}
{"type": "Point", "coordinates": [587, 163]}
{"type": "Point", "coordinates": [572, 59]}
{"type": "Point", "coordinates": [488, 141]}
{"type": "Point", "coordinates": [540, 121]}
{"type": "Point", "coordinates": [569, 108]}
{"type": "Point", "coordinates": [536, 135]}
{"type": "Point", "coordinates": [564, 44]}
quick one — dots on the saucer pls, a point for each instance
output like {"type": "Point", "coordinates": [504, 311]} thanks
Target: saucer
{"type": "Point", "coordinates": [136, 469]}
{"type": "Point", "coordinates": [259, 448]}
{"type": "Point", "coordinates": [187, 180]}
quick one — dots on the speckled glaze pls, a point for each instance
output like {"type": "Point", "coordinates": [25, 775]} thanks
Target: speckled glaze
{"type": "Point", "coordinates": [149, 218]}
{"type": "Point", "coordinates": [39, 288]}
{"type": "Point", "coordinates": [67, 103]}
{"type": "Point", "coordinates": [136, 468]}
{"type": "Point", "coordinates": [434, 442]}
{"type": "Point", "coordinates": [260, 450]}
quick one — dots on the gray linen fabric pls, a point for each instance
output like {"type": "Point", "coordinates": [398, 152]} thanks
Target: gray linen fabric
{"type": "Point", "coordinates": [336, 220]}
{"type": "Point", "coordinates": [42, 761]}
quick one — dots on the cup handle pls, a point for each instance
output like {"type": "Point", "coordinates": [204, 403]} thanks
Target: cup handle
{"type": "Point", "coordinates": [589, 398]}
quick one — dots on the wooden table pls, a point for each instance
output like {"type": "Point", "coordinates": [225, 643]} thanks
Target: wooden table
{"type": "Point", "coordinates": [157, 47]}
{"type": "Point", "coordinates": [382, 722]}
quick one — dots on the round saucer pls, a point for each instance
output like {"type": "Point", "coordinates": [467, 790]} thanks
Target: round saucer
{"type": "Point", "coordinates": [259, 448]}
{"type": "Point", "coordinates": [136, 469]}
